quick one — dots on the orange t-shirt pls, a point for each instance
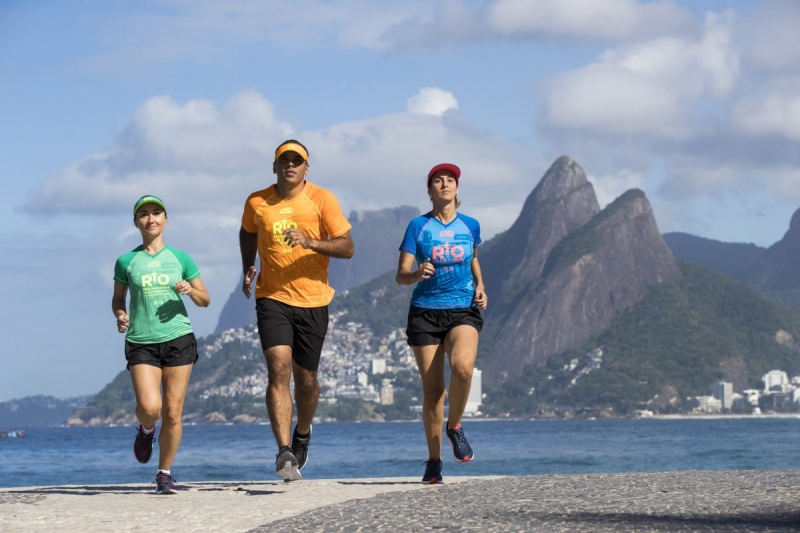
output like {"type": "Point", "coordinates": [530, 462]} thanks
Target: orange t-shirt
{"type": "Point", "coordinates": [294, 276]}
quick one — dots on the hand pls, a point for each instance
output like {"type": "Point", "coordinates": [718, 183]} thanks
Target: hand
{"type": "Point", "coordinates": [122, 322]}
{"type": "Point", "coordinates": [426, 270]}
{"type": "Point", "coordinates": [481, 300]}
{"type": "Point", "coordinates": [294, 236]}
{"type": "Point", "coordinates": [184, 288]}
{"type": "Point", "coordinates": [249, 276]}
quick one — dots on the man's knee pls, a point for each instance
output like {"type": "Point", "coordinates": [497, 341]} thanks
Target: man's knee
{"type": "Point", "coordinates": [305, 381]}
{"type": "Point", "coordinates": [279, 365]}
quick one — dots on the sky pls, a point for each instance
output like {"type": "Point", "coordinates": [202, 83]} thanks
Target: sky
{"type": "Point", "coordinates": [695, 102]}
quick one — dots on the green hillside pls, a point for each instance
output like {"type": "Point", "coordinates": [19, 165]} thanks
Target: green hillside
{"type": "Point", "coordinates": [677, 342]}
{"type": "Point", "coordinates": [380, 304]}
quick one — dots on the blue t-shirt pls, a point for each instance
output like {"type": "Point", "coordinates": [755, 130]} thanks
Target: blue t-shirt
{"type": "Point", "coordinates": [450, 248]}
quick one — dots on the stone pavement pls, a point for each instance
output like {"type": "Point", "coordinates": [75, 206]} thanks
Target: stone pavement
{"type": "Point", "coordinates": [668, 501]}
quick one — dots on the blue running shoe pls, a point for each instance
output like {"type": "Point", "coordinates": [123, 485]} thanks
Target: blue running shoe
{"type": "Point", "coordinates": [143, 445]}
{"type": "Point", "coordinates": [165, 483]}
{"type": "Point", "coordinates": [461, 448]}
{"type": "Point", "coordinates": [433, 472]}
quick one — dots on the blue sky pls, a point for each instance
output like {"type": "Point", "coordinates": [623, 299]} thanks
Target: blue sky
{"type": "Point", "coordinates": [695, 102]}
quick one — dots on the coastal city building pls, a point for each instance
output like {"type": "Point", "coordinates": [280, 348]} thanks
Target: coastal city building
{"type": "Point", "coordinates": [775, 380]}
{"type": "Point", "coordinates": [723, 391]}
{"type": "Point", "coordinates": [387, 392]}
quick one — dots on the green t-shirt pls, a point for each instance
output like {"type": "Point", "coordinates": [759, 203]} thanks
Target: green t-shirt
{"type": "Point", "coordinates": [156, 310]}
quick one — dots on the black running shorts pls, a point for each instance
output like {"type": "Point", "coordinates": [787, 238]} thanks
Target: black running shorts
{"type": "Point", "coordinates": [177, 352]}
{"type": "Point", "coordinates": [430, 326]}
{"type": "Point", "coordinates": [301, 328]}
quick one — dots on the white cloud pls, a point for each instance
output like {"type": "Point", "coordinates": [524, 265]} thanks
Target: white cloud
{"type": "Point", "coordinates": [607, 99]}
{"type": "Point", "coordinates": [432, 101]}
{"type": "Point", "coordinates": [647, 87]}
{"type": "Point", "coordinates": [774, 112]}
{"type": "Point", "coordinates": [203, 159]}
{"type": "Point", "coordinates": [608, 187]}
{"type": "Point", "coordinates": [599, 19]}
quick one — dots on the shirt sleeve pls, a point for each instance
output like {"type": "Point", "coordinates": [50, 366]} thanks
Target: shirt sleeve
{"type": "Point", "coordinates": [475, 229]}
{"type": "Point", "coordinates": [334, 221]}
{"type": "Point", "coordinates": [190, 270]}
{"type": "Point", "coordinates": [409, 244]}
{"type": "Point", "coordinates": [121, 270]}
{"type": "Point", "coordinates": [248, 216]}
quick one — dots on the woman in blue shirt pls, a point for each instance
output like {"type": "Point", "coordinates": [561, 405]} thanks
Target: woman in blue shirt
{"type": "Point", "coordinates": [445, 312]}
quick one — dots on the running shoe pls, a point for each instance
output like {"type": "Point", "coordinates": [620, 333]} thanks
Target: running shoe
{"type": "Point", "coordinates": [143, 445]}
{"type": "Point", "coordinates": [165, 484]}
{"type": "Point", "coordinates": [433, 472]}
{"type": "Point", "coordinates": [461, 448]}
{"type": "Point", "coordinates": [300, 448]}
{"type": "Point", "coordinates": [286, 465]}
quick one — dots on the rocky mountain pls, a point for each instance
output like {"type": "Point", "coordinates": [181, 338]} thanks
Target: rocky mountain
{"type": "Point", "coordinates": [376, 235]}
{"type": "Point", "coordinates": [730, 258]}
{"type": "Point", "coordinates": [776, 272]}
{"type": "Point", "coordinates": [594, 272]}
{"type": "Point", "coordinates": [563, 201]}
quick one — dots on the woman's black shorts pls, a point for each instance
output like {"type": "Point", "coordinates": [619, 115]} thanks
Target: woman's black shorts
{"type": "Point", "coordinates": [429, 326]}
{"type": "Point", "coordinates": [177, 352]}
{"type": "Point", "coordinates": [302, 328]}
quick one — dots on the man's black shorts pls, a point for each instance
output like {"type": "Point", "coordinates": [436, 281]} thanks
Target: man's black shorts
{"type": "Point", "coordinates": [302, 328]}
{"type": "Point", "coordinates": [177, 352]}
{"type": "Point", "coordinates": [430, 326]}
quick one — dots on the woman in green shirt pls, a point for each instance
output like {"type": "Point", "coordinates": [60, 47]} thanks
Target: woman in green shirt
{"type": "Point", "coordinates": [160, 346]}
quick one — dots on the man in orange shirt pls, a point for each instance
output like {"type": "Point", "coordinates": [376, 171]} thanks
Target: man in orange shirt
{"type": "Point", "coordinates": [295, 227]}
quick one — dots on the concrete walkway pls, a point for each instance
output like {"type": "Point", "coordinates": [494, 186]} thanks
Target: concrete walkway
{"type": "Point", "coordinates": [671, 501]}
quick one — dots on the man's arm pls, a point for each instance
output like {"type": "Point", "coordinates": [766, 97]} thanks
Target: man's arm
{"type": "Point", "coordinates": [340, 247]}
{"type": "Point", "coordinates": [248, 247]}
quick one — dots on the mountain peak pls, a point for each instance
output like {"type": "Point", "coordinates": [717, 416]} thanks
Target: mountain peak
{"type": "Point", "coordinates": [562, 202]}
{"type": "Point", "coordinates": [564, 176]}
{"type": "Point", "coordinates": [604, 266]}
{"type": "Point", "coordinates": [794, 225]}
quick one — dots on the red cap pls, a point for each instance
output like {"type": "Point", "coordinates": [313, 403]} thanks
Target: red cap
{"type": "Point", "coordinates": [444, 166]}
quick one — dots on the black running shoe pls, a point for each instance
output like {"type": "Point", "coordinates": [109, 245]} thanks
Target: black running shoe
{"type": "Point", "coordinates": [165, 484]}
{"type": "Point", "coordinates": [286, 465]}
{"type": "Point", "coordinates": [143, 445]}
{"type": "Point", "coordinates": [433, 472]}
{"type": "Point", "coordinates": [300, 447]}
{"type": "Point", "coordinates": [461, 448]}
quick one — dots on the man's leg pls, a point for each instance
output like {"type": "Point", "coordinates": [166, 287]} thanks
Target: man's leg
{"type": "Point", "coordinates": [278, 397]}
{"type": "Point", "coordinates": [306, 394]}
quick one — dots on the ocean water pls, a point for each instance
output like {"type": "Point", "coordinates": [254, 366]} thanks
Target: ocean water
{"type": "Point", "coordinates": [103, 455]}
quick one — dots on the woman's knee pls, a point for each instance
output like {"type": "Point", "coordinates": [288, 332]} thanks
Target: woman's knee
{"type": "Point", "coordinates": [149, 409]}
{"type": "Point", "coordinates": [461, 372]}
{"type": "Point", "coordinates": [172, 414]}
